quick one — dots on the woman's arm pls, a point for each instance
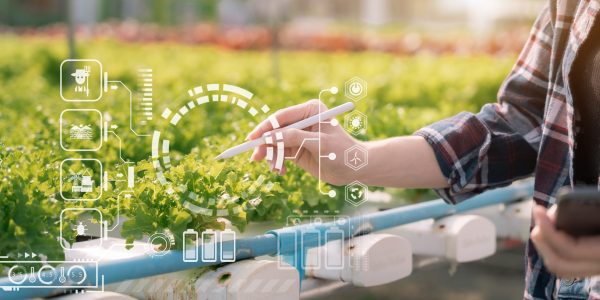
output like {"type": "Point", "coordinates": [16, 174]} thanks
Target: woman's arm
{"type": "Point", "coordinates": [473, 151]}
{"type": "Point", "coordinates": [396, 162]}
{"type": "Point", "coordinates": [406, 162]}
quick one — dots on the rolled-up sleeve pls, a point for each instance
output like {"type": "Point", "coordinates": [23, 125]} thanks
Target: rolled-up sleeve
{"type": "Point", "coordinates": [499, 144]}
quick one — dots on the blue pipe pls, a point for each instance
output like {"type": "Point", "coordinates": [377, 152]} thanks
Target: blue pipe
{"type": "Point", "coordinates": [408, 214]}
{"type": "Point", "coordinates": [267, 244]}
{"type": "Point", "coordinates": [293, 248]}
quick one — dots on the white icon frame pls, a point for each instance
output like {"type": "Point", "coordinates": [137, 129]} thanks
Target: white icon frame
{"type": "Point", "coordinates": [81, 110]}
{"type": "Point", "coordinates": [61, 80]}
{"type": "Point", "coordinates": [360, 149]}
{"type": "Point", "coordinates": [100, 185]}
{"type": "Point", "coordinates": [101, 237]}
{"type": "Point", "coordinates": [348, 122]}
{"type": "Point", "coordinates": [362, 186]}
{"type": "Point", "coordinates": [348, 86]}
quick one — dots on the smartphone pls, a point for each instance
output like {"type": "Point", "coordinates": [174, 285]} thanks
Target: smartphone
{"type": "Point", "coordinates": [578, 211]}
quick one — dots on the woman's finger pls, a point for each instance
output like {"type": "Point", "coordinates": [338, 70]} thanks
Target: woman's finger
{"type": "Point", "coordinates": [259, 153]}
{"type": "Point", "coordinates": [296, 138]}
{"type": "Point", "coordinates": [286, 117]}
{"type": "Point", "coordinates": [583, 248]}
{"type": "Point", "coordinates": [557, 264]}
{"type": "Point", "coordinates": [588, 248]}
{"type": "Point", "coordinates": [560, 242]}
{"type": "Point", "coordinates": [560, 259]}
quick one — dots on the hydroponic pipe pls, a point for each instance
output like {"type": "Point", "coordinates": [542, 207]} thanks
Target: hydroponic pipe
{"type": "Point", "coordinates": [267, 244]}
{"type": "Point", "coordinates": [293, 244]}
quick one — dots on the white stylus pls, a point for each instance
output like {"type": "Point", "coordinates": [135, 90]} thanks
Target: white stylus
{"type": "Point", "coordinates": [233, 151]}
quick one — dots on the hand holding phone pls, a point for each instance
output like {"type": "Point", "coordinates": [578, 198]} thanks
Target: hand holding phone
{"type": "Point", "coordinates": [567, 236]}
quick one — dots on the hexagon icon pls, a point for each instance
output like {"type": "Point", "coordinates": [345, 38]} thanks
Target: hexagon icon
{"type": "Point", "coordinates": [356, 88]}
{"type": "Point", "coordinates": [356, 157]}
{"type": "Point", "coordinates": [355, 122]}
{"type": "Point", "coordinates": [356, 193]}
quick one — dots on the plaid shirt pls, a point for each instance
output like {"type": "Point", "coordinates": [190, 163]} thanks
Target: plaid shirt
{"type": "Point", "coordinates": [528, 131]}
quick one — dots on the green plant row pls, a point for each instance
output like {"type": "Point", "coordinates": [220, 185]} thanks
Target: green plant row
{"type": "Point", "coordinates": [404, 94]}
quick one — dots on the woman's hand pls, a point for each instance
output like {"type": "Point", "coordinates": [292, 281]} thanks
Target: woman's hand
{"type": "Point", "coordinates": [302, 146]}
{"type": "Point", "coordinates": [564, 255]}
{"type": "Point", "coordinates": [407, 162]}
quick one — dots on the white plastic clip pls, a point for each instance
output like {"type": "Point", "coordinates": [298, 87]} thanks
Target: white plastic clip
{"type": "Point", "coordinates": [459, 238]}
{"type": "Point", "coordinates": [368, 260]}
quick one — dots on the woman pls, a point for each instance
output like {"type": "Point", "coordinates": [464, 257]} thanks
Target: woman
{"type": "Point", "coordinates": [549, 103]}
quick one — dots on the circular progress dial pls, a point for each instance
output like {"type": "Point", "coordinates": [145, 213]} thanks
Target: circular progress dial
{"type": "Point", "coordinates": [239, 98]}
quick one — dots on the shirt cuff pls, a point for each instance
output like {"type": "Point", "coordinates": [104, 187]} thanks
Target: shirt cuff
{"type": "Point", "coordinates": [456, 143]}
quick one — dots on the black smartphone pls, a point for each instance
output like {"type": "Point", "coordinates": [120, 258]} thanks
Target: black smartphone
{"type": "Point", "coordinates": [578, 211]}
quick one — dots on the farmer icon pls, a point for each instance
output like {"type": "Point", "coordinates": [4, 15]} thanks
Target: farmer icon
{"type": "Point", "coordinates": [81, 79]}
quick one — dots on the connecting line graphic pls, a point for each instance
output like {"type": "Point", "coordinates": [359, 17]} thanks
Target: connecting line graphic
{"type": "Point", "coordinates": [331, 156]}
{"type": "Point", "coordinates": [99, 291]}
{"type": "Point", "coordinates": [300, 148]}
{"type": "Point", "coordinates": [119, 208]}
{"type": "Point", "coordinates": [130, 107]}
{"type": "Point", "coordinates": [120, 148]}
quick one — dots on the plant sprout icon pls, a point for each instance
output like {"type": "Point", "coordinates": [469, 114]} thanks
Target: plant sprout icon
{"type": "Point", "coordinates": [81, 77]}
{"type": "Point", "coordinates": [80, 229]}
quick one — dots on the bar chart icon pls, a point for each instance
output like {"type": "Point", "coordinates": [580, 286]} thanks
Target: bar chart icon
{"type": "Point", "coordinates": [145, 98]}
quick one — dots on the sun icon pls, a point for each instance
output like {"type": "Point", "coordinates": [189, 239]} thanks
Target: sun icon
{"type": "Point", "coordinates": [356, 122]}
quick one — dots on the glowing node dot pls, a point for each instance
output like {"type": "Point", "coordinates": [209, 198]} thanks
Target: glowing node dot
{"type": "Point", "coordinates": [331, 193]}
{"type": "Point", "coordinates": [333, 90]}
{"type": "Point", "coordinates": [334, 122]}
{"type": "Point", "coordinates": [331, 156]}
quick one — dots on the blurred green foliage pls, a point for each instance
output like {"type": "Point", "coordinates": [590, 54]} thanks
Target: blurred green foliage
{"type": "Point", "coordinates": [162, 12]}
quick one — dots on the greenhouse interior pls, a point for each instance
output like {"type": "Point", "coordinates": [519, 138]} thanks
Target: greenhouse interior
{"type": "Point", "coordinates": [299, 149]}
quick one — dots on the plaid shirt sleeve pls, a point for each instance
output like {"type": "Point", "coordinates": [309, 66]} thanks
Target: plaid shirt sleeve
{"type": "Point", "coordinates": [499, 144]}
